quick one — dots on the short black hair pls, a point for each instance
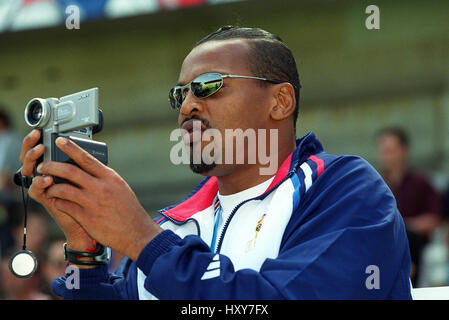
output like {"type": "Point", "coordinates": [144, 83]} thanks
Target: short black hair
{"type": "Point", "coordinates": [269, 56]}
{"type": "Point", "coordinates": [397, 132]}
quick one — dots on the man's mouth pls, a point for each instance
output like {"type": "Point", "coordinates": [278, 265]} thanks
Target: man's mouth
{"type": "Point", "coordinates": [192, 130]}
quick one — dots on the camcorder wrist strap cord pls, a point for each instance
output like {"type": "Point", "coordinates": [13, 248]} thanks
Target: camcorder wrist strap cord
{"type": "Point", "coordinates": [23, 263]}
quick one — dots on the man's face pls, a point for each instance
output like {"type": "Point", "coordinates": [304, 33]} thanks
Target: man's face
{"type": "Point", "coordinates": [392, 153]}
{"type": "Point", "coordinates": [239, 104]}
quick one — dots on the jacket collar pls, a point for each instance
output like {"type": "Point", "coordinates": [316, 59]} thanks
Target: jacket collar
{"type": "Point", "coordinates": [204, 194]}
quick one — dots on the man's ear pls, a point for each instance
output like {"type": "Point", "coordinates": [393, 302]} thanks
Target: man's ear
{"type": "Point", "coordinates": [284, 101]}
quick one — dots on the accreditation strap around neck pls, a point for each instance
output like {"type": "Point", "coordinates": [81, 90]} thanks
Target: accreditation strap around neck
{"type": "Point", "coordinates": [217, 215]}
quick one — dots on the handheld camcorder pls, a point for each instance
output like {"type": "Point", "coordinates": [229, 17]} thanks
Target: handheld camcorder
{"type": "Point", "coordinates": [76, 117]}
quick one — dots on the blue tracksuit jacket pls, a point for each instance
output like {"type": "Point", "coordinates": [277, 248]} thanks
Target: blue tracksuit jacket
{"type": "Point", "coordinates": [326, 228]}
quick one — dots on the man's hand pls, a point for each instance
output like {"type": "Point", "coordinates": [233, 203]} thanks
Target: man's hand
{"type": "Point", "coordinates": [103, 203]}
{"type": "Point", "coordinates": [424, 224]}
{"type": "Point", "coordinates": [77, 238]}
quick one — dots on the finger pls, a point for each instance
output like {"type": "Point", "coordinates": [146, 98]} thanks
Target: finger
{"type": "Point", "coordinates": [66, 171]}
{"type": "Point", "coordinates": [37, 188]}
{"type": "Point", "coordinates": [30, 158]}
{"type": "Point", "coordinates": [29, 141]}
{"type": "Point", "coordinates": [85, 160]}
{"type": "Point", "coordinates": [66, 192]}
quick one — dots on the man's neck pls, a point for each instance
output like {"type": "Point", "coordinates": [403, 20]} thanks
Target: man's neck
{"type": "Point", "coordinates": [396, 175]}
{"type": "Point", "coordinates": [247, 176]}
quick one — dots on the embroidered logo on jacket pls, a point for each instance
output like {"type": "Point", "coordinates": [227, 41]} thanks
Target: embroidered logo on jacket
{"type": "Point", "coordinates": [251, 244]}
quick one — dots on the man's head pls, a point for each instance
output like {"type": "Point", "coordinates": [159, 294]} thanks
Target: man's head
{"type": "Point", "coordinates": [242, 103]}
{"type": "Point", "coordinates": [268, 56]}
{"type": "Point", "coordinates": [393, 147]}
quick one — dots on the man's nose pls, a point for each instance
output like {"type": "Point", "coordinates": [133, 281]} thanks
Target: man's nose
{"type": "Point", "coordinates": [191, 105]}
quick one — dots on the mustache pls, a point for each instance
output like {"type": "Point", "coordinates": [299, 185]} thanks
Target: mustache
{"type": "Point", "coordinates": [205, 122]}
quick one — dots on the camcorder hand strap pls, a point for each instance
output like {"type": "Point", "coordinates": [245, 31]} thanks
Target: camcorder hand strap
{"type": "Point", "coordinates": [22, 181]}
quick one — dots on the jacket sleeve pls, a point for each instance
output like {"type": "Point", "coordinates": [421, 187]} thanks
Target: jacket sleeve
{"type": "Point", "coordinates": [346, 240]}
{"type": "Point", "coordinates": [98, 283]}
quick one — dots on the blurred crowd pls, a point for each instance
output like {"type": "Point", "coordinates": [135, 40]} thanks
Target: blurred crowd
{"type": "Point", "coordinates": [424, 208]}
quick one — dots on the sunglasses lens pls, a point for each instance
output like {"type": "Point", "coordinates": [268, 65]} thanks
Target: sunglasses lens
{"type": "Point", "coordinates": [206, 85]}
{"type": "Point", "coordinates": [172, 99]}
{"type": "Point", "coordinates": [202, 87]}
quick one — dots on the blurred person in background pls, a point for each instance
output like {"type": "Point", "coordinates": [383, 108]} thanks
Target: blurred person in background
{"type": "Point", "coordinates": [9, 161]}
{"type": "Point", "coordinates": [10, 219]}
{"type": "Point", "coordinates": [53, 265]}
{"type": "Point", "coordinates": [417, 200]}
{"type": "Point", "coordinates": [9, 152]}
{"type": "Point", "coordinates": [12, 288]}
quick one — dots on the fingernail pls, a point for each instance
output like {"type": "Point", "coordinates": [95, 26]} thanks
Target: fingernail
{"type": "Point", "coordinates": [61, 141]}
{"type": "Point", "coordinates": [39, 168]}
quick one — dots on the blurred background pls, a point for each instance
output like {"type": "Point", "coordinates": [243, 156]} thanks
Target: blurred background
{"type": "Point", "coordinates": [355, 82]}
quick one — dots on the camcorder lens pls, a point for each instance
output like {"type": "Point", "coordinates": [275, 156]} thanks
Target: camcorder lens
{"type": "Point", "coordinates": [35, 113]}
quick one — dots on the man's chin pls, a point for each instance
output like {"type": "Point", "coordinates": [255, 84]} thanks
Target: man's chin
{"type": "Point", "coordinates": [202, 168]}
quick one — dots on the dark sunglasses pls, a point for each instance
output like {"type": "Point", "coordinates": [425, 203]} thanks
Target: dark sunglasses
{"type": "Point", "coordinates": [204, 86]}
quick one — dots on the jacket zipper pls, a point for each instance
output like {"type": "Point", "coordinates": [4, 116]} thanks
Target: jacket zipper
{"type": "Point", "coordinates": [228, 221]}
